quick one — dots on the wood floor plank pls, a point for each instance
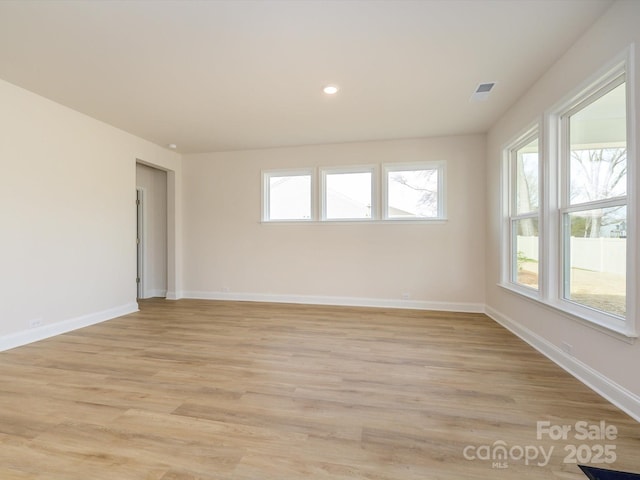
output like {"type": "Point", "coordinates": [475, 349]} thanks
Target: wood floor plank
{"type": "Point", "coordinates": [203, 390]}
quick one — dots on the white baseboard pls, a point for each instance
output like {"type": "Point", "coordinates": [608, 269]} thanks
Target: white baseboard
{"type": "Point", "coordinates": [172, 295]}
{"type": "Point", "coordinates": [40, 333]}
{"type": "Point", "coordinates": [337, 301]}
{"type": "Point", "coordinates": [621, 397]}
{"type": "Point", "coordinates": [155, 293]}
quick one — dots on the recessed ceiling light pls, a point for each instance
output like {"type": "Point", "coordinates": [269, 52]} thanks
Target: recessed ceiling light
{"type": "Point", "coordinates": [172, 146]}
{"type": "Point", "coordinates": [330, 89]}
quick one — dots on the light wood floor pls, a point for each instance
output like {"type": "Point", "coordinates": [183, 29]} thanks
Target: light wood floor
{"type": "Point", "coordinates": [221, 390]}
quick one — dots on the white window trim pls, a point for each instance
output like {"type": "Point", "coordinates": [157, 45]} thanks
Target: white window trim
{"type": "Point", "coordinates": [440, 166]}
{"type": "Point", "coordinates": [510, 215]}
{"type": "Point", "coordinates": [378, 200]}
{"type": "Point", "coordinates": [550, 224]}
{"type": "Point", "coordinates": [297, 172]}
{"type": "Point", "coordinates": [372, 169]}
{"type": "Point", "coordinates": [558, 121]}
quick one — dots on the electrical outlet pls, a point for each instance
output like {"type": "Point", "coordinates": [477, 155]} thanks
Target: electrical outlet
{"type": "Point", "coordinates": [567, 348]}
{"type": "Point", "coordinates": [35, 323]}
{"type": "Point", "coordinates": [406, 295]}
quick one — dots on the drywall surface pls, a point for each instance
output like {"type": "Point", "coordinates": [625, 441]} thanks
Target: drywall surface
{"type": "Point", "coordinates": [67, 214]}
{"type": "Point", "coordinates": [229, 253]}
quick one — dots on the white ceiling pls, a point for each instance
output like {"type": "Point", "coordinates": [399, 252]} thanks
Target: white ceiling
{"type": "Point", "coordinates": [228, 75]}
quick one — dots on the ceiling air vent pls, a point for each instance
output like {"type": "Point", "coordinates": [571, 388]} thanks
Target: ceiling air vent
{"type": "Point", "coordinates": [482, 92]}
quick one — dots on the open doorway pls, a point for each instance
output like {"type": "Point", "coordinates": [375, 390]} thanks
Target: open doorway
{"type": "Point", "coordinates": [151, 215]}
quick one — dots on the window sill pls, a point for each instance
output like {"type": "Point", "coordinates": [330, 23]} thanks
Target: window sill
{"type": "Point", "coordinates": [623, 333]}
{"type": "Point", "coordinates": [431, 221]}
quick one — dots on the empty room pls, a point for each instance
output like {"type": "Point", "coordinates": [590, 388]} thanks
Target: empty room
{"type": "Point", "coordinates": [336, 240]}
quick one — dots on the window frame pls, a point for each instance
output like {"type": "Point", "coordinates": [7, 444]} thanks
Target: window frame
{"type": "Point", "coordinates": [553, 205]}
{"type": "Point", "coordinates": [324, 171]}
{"type": "Point", "coordinates": [511, 210]}
{"type": "Point", "coordinates": [266, 193]}
{"type": "Point", "coordinates": [439, 166]}
{"type": "Point", "coordinates": [616, 77]}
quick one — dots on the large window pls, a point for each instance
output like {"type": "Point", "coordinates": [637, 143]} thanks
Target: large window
{"type": "Point", "coordinates": [594, 200]}
{"type": "Point", "coordinates": [566, 239]}
{"type": "Point", "coordinates": [414, 191]}
{"type": "Point", "coordinates": [524, 191]}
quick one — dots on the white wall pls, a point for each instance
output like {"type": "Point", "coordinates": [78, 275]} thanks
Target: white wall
{"type": "Point", "coordinates": [229, 253]}
{"type": "Point", "coordinates": [67, 217]}
{"type": "Point", "coordinates": [153, 183]}
{"type": "Point", "coordinates": [607, 363]}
